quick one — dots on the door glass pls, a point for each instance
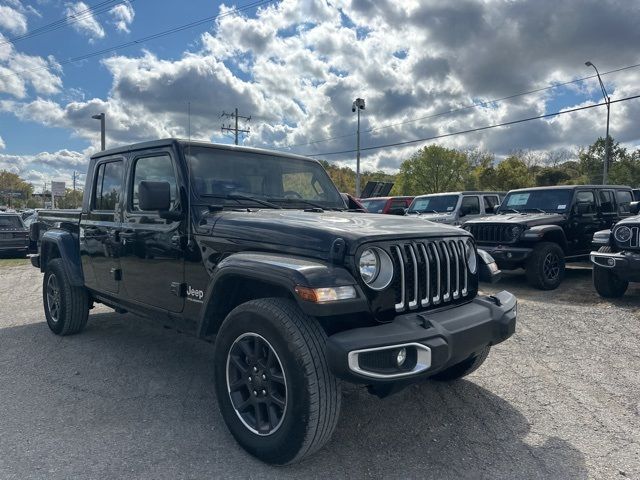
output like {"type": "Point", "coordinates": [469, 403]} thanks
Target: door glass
{"type": "Point", "coordinates": [154, 169]}
{"type": "Point", "coordinates": [607, 204]}
{"type": "Point", "coordinates": [108, 186]}
{"type": "Point", "coordinates": [624, 199]}
{"type": "Point", "coordinates": [490, 202]}
{"type": "Point", "coordinates": [470, 206]}
{"type": "Point", "coordinates": [587, 200]}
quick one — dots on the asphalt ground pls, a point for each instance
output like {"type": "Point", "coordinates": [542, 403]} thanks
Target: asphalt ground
{"type": "Point", "coordinates": [128, 398]}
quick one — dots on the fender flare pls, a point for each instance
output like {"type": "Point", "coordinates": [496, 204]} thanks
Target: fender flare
{"type": "Point", "coordinates": [539, 231]}
{"type": "Point", "coordinates": [66, 245]}
{"type": "Point", "coordinates": [284, 272]}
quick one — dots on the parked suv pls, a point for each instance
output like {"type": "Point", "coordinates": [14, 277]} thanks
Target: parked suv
{"type": "Point", "coordinates": [256, 249]}
{"type": "Point", "coordinates": [617, 260]}
{"type": "Point", "coordinates": [453, 208]}
{"type": "Point", "coordinates": [539, 229]}
{"type": "Point", "coordinates": [14, 236]}
{"type": "Point", "coordinates": [387, 205]}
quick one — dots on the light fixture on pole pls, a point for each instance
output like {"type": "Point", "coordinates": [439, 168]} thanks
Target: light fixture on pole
{"type": "Point", "coordinates": [606, 140]}
{"type": "Point", "coordinates": [358, 104]}
{"type": "Point", "coordinates": [101, 117]}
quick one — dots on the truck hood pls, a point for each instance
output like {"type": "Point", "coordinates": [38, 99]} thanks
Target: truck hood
{"type": "Point", "coordinates": [436, 217]}
{"type": "Point", "coordinates": [317, 231]}
{"type": "Point", "coordinates": [528, 219]}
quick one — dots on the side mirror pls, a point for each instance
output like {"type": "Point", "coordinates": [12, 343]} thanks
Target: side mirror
{"type": "Point", "coordinates": [463, 213]}
{"type": "Point", "coordinates": [634, 208]}
{"type": "Point", "coordinates": [495, 208]}
{"type": "Point", "coordinates": [582, 208]}
{"type": "Point", "coordinates": [154, 196]}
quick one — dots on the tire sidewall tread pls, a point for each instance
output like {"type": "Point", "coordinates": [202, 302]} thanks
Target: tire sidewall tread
{"type": "Point", "coordinates": [74, 301]}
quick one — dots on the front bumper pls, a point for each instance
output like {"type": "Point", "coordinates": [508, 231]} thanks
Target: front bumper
{"type": "Point", "coordinates": [626, 265]}
{"type": "Point", "coordinates": [439, 339]}
{"type": "Point", "coordinates": [507, 257]}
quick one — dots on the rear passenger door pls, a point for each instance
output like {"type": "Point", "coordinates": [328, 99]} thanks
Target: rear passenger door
{"type": "Point", "coordinates": [624, 199]}
{"type": "Point", "coordinates": [607, 208]}
{"type": "Point", "coordinates": [469, 208]}
{"type": "Point", "coordinates": [100, 227]}
{"type": "Point", "coordinates": [585, 221]}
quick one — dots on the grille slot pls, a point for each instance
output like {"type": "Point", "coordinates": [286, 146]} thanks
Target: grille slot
{"type": "Point", "coordinates": [429, 273]}
{"type": "Point", "coordinates": [491, 233]}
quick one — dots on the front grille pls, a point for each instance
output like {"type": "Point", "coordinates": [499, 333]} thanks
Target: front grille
{"type": "Point", "coordinates": [429, 273]}
{"type": "Point", "coordinates": [492, 233]}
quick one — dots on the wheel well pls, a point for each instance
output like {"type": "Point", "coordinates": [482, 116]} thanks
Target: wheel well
{"type": "Point", "coordinates": [234, 290]}
{"type": "Point", "coordinates": [49, 252]}
{"type": "Point", "coordinates": [556, 236]}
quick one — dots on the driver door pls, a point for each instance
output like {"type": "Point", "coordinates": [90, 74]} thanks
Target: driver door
{"type": "Point", "coordinates": [585, 220]}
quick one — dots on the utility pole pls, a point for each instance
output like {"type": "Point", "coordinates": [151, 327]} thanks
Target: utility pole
{"type": "Point", "coordinates": [607, 100]}
{"type": "Point", "coordinates": [44, 190]}
{"type": "Point", "coordinates": [101, 117]}
{"type": "Point", "coordinates": [358, 104]}
{"type": "Point", "coordinates": [236, 130]}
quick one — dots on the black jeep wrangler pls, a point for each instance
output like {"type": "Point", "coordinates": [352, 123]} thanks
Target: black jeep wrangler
{"type": "Point", "coordinates": [539, 229]}
{"type": "Point", "coordinates": [617, 260]}
{"type": "Point", "coordinates": [257, 250]}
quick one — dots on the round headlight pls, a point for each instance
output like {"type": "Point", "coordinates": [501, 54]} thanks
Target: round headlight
{"type": "Point", "coordinates": [515, 231]}
{"type": "Point", "coordinates": [472, 258]}
{"type": "Point", "coordinates": [369, 265]}
{"type": "Point", "coordinates": [622, 234]}
{"type": "Point", "coordinates": [376, 268]}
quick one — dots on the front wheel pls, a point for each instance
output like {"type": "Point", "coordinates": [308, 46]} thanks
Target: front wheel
{"type": "Point", "coordinates": [545, 267]}
{"type": "Point", "coordinates": [273, 384]}
{"type": "Point", "coordinates": [607, 283]}
{"type": "Point", "coordinates": [66, 307]}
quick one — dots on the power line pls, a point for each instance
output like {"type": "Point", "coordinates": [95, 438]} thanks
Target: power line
{"type": "Point", "coordinates": [235, 129]}
{"type": "Point", "coordinates": [154, 36]}
{"type": "Point", "coordinates": [96, 9]}
{"type": "Point", "coordinates": [466, 107]}
{"type": "Point", "coordinates": [478, 129]}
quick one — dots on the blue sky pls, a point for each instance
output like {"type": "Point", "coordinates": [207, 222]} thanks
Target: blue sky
{"type": "Point", "coordinates": [295, 66]}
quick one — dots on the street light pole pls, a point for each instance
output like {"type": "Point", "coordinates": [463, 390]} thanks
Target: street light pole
{"type": "Point", "coordinates": [607, 152]}
{"type": "Point", "coordinates": [101, 117]}
{"type": "Point", "coordinates": [358, 104]}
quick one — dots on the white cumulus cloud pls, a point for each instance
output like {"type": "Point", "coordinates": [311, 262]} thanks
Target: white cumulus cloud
{"type": "Point", "coordinates": [122, 14]}
{"type": "Point", "coordinates": [12, 20]}
{"type": "Point", "coordinates": [84, 22]}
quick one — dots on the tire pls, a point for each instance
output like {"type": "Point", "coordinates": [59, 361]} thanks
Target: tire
{"type": "Point", "coordinates": [66, 307]}
{"type": "Point", "coordinates": [463, 368]}
{"type": "Point", "coordinates": [607, 283]}
{"type": "Point", "coordinates": [299, 374]}
{"type": "Point", "coordinates": [545, 267]}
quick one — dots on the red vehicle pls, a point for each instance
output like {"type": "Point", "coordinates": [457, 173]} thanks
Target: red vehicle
{"type": "Point", "coordinates": [388, 205]}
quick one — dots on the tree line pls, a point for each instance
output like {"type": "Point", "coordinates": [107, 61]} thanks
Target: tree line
{"type": "Point", "coordinates": [18, 193]}
{"type": "Point", "coordinates": [434, 169]}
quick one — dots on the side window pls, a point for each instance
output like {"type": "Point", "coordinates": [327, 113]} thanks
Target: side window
{"type": "Point", "coordinates": [398, 204]}
{"type": "Point", "coordinates": [490, 201]}
{"type": "Point", "coordinates": [108, 187]}
{"type": "Point", "coordinates": [470, 206]}
{"type": "Point", "coordinates": [624, 199]}
{"type": "Point", "coordinates": [607, 203]}
{"type": "Point", "coordinates": [587, 200]}
{"type": "Point", "coordinates": [154, 169]}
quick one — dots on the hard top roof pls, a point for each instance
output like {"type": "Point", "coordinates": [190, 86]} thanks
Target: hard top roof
{"type": "Point", "coordinates": [466, 192]}
{"type": "Point", "coordinates": [571, 187]}
{"type": "Point", "coordinates": [167, 142]}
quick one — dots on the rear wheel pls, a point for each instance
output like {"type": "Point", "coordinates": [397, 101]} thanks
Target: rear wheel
{"type": "Point", "coordinates": [66, 307]}
{"type": "Point", "coordinates": [607, 283]}
{"type": "Point", "coordinates": [545, 267]}
{"type": "Point", "coordinates": [273, 384]}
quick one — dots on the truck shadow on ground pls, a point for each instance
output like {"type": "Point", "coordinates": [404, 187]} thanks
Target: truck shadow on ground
{"type": "Point", "coordinates": [132, 399]}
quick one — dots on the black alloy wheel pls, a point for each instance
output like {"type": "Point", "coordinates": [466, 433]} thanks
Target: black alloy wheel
{"type": "Point", "coordinates": [551, 266]}
{"type": "Point", "coordinates": [256, 383]}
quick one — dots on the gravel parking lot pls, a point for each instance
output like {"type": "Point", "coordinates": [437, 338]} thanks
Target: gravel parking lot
{"type": "Point", "coordinates": [130, 399]}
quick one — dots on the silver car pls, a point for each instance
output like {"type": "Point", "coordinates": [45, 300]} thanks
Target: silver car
{"type": "Point", "coordinates": [454, 208]}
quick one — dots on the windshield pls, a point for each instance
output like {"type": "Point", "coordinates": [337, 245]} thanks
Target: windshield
{"type": "Point", "coordinates": [10, 222]}
{"type": "Point", "coordinates": [552, 200]}
{"type": "Point", "coordinates": [374, 205]}
{"type": "Point", "coordinates": [236, 177]}
{"type": "Point", "coordinates": [434, 204]}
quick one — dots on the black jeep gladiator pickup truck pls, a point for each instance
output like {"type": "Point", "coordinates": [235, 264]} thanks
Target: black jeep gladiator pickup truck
{"type": "Point", "coordinates": [256, 249]}
{"type": "Point", "coordinates": [539, 229]}
{"type": "Point", "coordinates": [617, 260]}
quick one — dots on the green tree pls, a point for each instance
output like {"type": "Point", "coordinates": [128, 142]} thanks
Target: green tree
{"type": "Point", "coordinates": [552, 176]}
{"type": "Point", "coordinates": [591, 160]}
{"type": "Point", "coordinates": [513, 172]}
{"type": "Point", "coordinates": [71, 199]}
{"type": "Point", "coordinates": [11, 183]}
{"type": "Point", "coordinates": [433, 169]}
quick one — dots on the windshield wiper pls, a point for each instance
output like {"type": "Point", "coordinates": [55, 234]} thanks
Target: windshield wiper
{"type": "Point", "coordinates": [237, 197]}
{"type": "Point", "coordinates": [509, 209]}
{"type": "Point", "coordinates": [535, 209]}
{"type": "Point", "coordinates": [306, 202]}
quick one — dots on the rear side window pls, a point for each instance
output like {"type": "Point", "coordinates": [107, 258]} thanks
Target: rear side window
{"type": "Point", "coordinates": [154, 169]}
{"type": "Point", "coordinates": [398, 203]}
{"type": "Point", "coordinates": [586, 197]}
{"type": "Point", "coordinates": [470, 206]}
{"type": "Point", "coordinates": [10, 222]}
{"type": "Point", "coordinates": [607, 203]}
{"type": "Point", "coordinates": [490, 202]}
{"type": "Point", "coordinates": [624, 199]}
{"type": "Point", "coordinates": [108, 188]}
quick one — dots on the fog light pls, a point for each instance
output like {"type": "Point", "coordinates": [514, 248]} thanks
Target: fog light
{"type": "Point", "coordinates": [611, 262]}
{"type": "Point", "coordinates": [401, 356]}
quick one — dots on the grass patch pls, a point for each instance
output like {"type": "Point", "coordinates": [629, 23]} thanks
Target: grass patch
{"type": "Point", "coordinates": [13, 262]}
